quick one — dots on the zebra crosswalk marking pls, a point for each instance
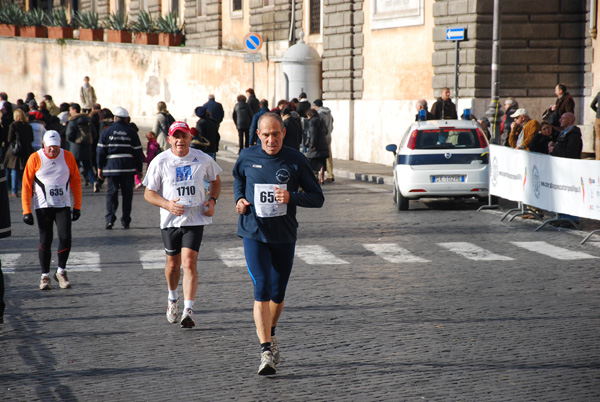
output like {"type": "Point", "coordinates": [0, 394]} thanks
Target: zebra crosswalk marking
{"type": "Point", "coordinates": [318, 255]}
{"type": "Point", "coordinates": [549, 250]}
{"type": "Point", "coordinates": [152, 259]}
{"type": "Point", "coordinates": [84, 261]}
{"type": "Point", "coordinates": [473, 252]}
{"type": "Point", "coordinates": [393, 253]}
{"type": "Point", "coordinates": [9, 262]}
{"type": "Point", "coordinates": [232, 257]}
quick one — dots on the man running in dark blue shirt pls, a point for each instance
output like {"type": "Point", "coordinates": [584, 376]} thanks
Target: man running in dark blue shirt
{"type": "Point", "coordinates": [267, 191]}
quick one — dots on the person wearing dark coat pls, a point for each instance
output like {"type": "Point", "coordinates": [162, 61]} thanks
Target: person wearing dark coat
{"type": "Point", "coordinates": [293, 128]}
{"type": "Point", "coordinates": [207, 128]}
{"type": "Point", "coordinates": [15, 164]}
{"type": "Point", "coordinates": [569, 143]}
{"type": "Point", "coordinates": [82, 151]}
{"type": "Point", "coordinates": [264, 108]}
{"type": "Point", "coordinates": [252, 101]}
{"type": "Point", "coordinates": [6, 111]}
{"type": "Point", "coordinates": [120, 158]}
{"type": "Point", "coordinates": [317, 150]}
{"type": "Point", "coordinates": [215, 109]}
{"type": "Point", "coordinates": [539, 142]}
{"type": "Point", "coordinates": [444, 108]}
{"type": "Point", "coordinates": [242, 117]}
{"type": "Point", "coordinates": [564, 101]}
{"type": "Point", "coordinates": [5, 230]}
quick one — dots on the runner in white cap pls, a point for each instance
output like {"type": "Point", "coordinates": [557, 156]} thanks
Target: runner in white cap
{"type": "Point", "coordinates": [51, 176]}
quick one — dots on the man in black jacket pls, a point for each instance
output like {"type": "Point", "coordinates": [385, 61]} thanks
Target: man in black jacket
{"type": "Point", "coordinates": [444, 108]}
{"type": "Point", "coordinates": [569, 143]}
{"type": "Point", "coordinates": [120, 157]}
{"type": "Point", "coordinates": [215, 109]}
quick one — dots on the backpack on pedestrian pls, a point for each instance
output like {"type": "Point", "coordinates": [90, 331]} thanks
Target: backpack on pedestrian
{"type": "Point", "coordinates": [168, 121]}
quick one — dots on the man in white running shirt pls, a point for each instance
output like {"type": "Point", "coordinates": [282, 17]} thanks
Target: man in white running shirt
{"type": "Point", "coordinates": [175, 183]}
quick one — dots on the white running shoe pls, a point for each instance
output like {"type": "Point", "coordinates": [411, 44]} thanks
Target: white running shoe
{"type": "Point", "coordinates": [187, 319]}
{"type": "Point", "coordinates": [45, 283]}
{"type": "Point", "coordinates": [267, 367]}
{"type": "Point", "coordinates": [63, 280]}
{"type": "Point", "coordinates": [172, 311]}
{"type": "Point", "coordinates": [275, 350]}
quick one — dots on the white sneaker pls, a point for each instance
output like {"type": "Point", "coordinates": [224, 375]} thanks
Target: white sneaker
{"type": "Point", "coordinates": [275, 350]}
{"type": "Point", "coordinates": [267, 367]}
{"type": "Point", "coordinates": [172, 311]}
{"type": "Point", "coordinates": [187, 319]}
{"type": "Point", "coordinates": [45, 283]}
{"type": "Point", "coordinates": [63, 280]}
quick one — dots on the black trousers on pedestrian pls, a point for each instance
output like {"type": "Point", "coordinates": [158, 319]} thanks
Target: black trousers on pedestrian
{"type": "Point", "coordinates": [244, 135]}
{"type": "Point", "coordinates": [126, 184]}
{"type": "Point", "coordinates": [46, 217]}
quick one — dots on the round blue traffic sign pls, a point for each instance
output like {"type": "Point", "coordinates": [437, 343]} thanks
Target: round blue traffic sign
{"type": "Point", "coordinates": [253, 42]}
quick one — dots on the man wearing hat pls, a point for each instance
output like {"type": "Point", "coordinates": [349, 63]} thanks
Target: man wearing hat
{"type": "Point", "coordinates": [120, 157]}
{"type": "Point", "coordinates": [50, 176]}
{"type": "Point", "coordinates": [522, 130]}
{"type": "Point", "coordinates": [175, 183]}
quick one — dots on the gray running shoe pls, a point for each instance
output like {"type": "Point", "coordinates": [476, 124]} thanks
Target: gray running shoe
{"type": "Point", "coordinates": [187, 319]}
{"type": "Point", "coordinates": [172, 311]}
{"type": "Point", "coordinates": [62, 279]}
{"type": "Point", "coordinates": [275, 350]}
{"type": "Point", "coordinates": [267, 367]}
{"type": "Point", "coordinates": [45, 283]}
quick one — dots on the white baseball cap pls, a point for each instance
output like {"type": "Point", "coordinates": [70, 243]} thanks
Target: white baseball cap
{"type": "Point", "coordinates": [520, 112]}
{"type": "Point", "coordinates": [51, 138]}
{"type": "Point", "coordinates": [120, 112]}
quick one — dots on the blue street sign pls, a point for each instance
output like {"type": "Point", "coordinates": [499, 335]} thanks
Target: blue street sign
{"type": "Point", "coordinates": [253, 42]}
{"type": "Point", "coordinates": [455, 34]}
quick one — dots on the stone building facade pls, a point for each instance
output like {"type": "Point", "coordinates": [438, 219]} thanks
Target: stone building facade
{"type": "Point", "coordinates": [380, 56]}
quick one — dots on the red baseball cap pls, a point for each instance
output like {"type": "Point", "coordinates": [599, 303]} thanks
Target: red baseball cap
{"type": "Point", "coordinates": [179, 126]}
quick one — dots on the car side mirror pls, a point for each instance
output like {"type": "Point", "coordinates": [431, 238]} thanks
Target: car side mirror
{"type": "Point", "coordinates": [392, 148]}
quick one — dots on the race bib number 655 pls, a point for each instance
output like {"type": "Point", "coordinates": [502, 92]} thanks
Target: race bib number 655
{"type": "Point", "coordinates": [265, 203]}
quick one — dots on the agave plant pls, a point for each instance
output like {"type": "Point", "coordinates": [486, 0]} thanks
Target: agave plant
{"type": "Point", "coordinates": [117, 22]}
{"type": "Point", "coordinates": [35, 18]}
{"type": "Point", "coordinates": [11, 14]}
{"type": "Point", "coordinates": [57, 18]}
{"type": "Point", "coordinates": [169, 24]}
{"type": "Point", "coordinates": [145, 23]}
{"type": "Point", "coordinates": [87, 20]}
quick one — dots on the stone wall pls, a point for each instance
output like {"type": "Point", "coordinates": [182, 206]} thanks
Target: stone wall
{"type": "Point", "coordinates": [343, 49]}
{"type": "Point", "coordinates": [204, 30]}
{"type": "Point", "coordinates": [543, 42]}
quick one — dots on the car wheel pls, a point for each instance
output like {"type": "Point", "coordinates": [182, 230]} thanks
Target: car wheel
{"type": "Point", "coordinates": [401, 201]}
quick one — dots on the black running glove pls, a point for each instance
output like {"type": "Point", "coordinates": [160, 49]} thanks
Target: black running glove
{"type": "Point", "coordinates": [28, 219]}
{"type": "Point", "coordinates": [76, 214]}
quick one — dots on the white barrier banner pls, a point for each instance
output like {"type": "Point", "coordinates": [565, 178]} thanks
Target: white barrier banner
{"type": "Point", "coordinates": [568, 186]}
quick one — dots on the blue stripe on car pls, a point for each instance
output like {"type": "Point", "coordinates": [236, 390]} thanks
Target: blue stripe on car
{"type": "Point", "coordinates": [440, 159]}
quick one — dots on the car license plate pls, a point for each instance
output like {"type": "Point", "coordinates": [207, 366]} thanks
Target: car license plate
{"type": "Point", "coordinates": [448, 179]}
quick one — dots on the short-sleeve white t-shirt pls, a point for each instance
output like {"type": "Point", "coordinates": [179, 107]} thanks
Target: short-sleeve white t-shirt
{"type": "Point", "coordinates": [182, 177]}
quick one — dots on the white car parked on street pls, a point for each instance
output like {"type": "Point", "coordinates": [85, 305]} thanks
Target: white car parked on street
{"type": "Point", "coordinates": [440, 158]}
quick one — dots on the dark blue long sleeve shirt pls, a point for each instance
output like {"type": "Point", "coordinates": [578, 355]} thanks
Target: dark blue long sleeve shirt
{"type": "Point", "coordinates": [290, 167]}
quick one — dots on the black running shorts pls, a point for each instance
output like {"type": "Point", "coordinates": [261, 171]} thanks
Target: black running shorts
{"type": "Point", "coordinates": [175, 239]}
